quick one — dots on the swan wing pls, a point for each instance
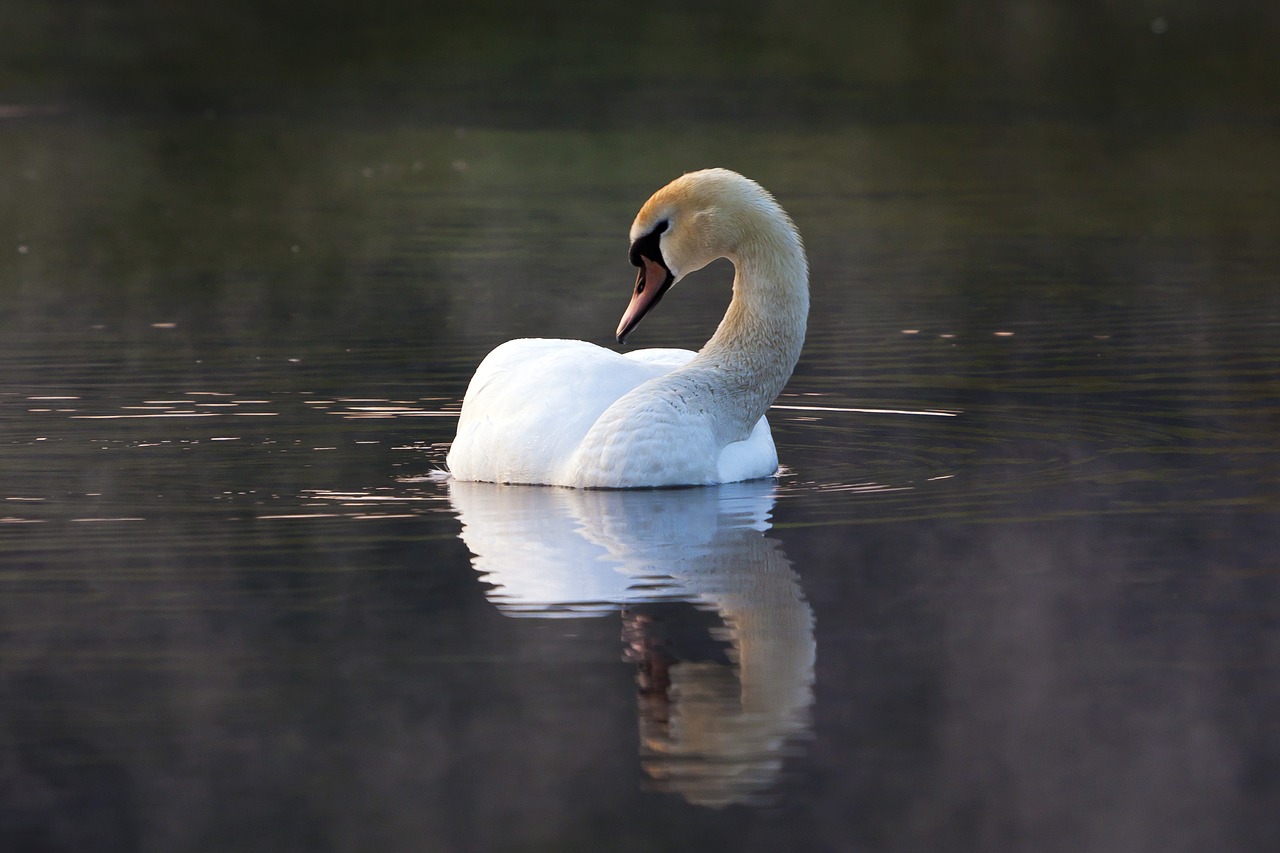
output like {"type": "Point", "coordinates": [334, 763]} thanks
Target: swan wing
{"type": "Point", "coordinates": [531, 402]}
{"type": "Point", "coordinates": [671, 359]}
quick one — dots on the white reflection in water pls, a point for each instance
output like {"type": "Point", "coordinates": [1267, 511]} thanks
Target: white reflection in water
{"type": "Point", "coordinates": [715, 732]}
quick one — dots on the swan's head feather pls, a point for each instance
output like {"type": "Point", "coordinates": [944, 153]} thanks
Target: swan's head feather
{"type": "Point", "coordinates": [694, 220]}
{"type": "Point", "coordinates": [705, 215]}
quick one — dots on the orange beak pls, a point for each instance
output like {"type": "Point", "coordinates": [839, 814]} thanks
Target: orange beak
{"type": "Point", "coordinates": [653, 281]}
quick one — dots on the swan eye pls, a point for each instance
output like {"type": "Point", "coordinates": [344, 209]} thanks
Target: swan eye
{"type": "Point", "coordinates": [648, 245]}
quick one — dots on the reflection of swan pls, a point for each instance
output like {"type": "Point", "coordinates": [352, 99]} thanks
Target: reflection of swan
{"type": "Point", "coordinates": [571, 413]}
{"type": "Point", "coordinates": [713, 733]}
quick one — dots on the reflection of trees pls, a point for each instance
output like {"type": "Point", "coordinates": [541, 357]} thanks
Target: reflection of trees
{"type": "Point", "coordinates": [713, 726]}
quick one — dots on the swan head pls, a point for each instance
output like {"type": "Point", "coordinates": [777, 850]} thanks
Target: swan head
{"type": "Point", "coordinates": [692, 221]}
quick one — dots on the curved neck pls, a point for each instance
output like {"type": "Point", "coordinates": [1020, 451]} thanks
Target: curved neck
{"type": "Point", "coordinates": [752, 353]}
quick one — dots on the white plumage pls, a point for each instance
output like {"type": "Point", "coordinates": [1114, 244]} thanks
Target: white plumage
{"type": "Point", "coordinates": [571, 413]}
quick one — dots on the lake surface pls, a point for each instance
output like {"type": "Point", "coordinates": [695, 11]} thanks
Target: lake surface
{"type": "Point", "coordinates": [1016, 586]}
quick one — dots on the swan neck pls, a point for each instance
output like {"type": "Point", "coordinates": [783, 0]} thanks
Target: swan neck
{"type": "Point", "coordinates": [764, 326]}
{"type": "Point", "coordinates": [757, 344]}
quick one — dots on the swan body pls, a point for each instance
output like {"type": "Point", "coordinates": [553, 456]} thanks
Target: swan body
{"type": "Point", "coordinates": [570, 413]}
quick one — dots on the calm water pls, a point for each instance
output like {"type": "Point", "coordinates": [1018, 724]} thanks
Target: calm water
{"type": "Point", "coordinates": [1016, 588]}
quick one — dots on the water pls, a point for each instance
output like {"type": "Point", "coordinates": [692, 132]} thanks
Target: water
{"type": "Point", "coordinates": [1015, 588]}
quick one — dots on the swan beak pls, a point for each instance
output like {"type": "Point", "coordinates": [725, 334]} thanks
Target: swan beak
{"type": "Point", "coordinates": [653, 281]}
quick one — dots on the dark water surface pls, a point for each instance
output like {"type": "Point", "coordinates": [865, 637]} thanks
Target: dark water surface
{"type": "Point", "coordinates": [1017, 587]}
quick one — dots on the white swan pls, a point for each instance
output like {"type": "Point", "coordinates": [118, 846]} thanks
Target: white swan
{"type": "Point", "coordinates": [570, 413]}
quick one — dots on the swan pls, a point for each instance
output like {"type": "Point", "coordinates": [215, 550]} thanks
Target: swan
{"type": "Point", "coordinates": [570, 413]}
